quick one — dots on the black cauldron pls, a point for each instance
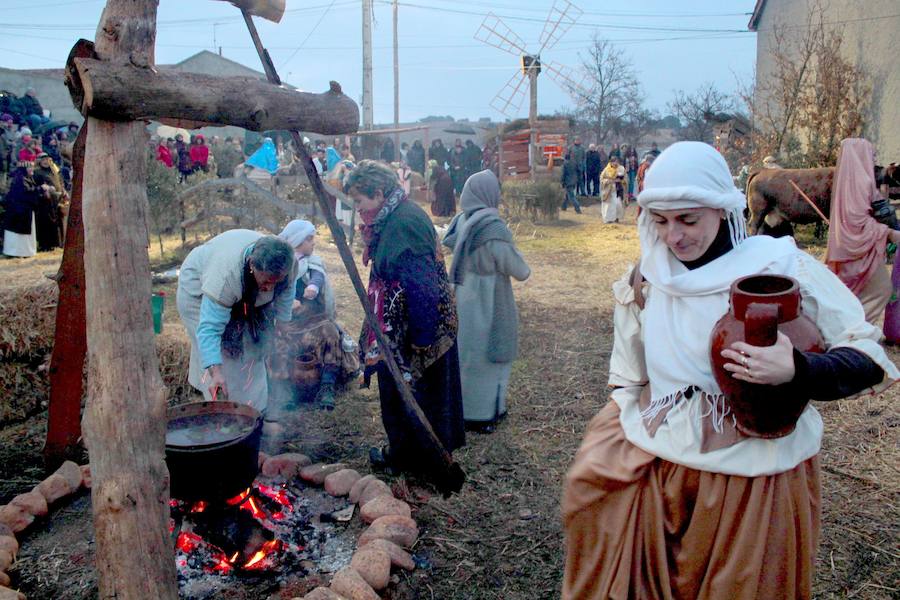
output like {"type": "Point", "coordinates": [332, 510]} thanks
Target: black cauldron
{"type": "Point", "coordinates": [212, 449]}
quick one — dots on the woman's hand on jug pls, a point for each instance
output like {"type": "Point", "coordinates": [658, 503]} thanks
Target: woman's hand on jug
{"type": "Point", "coordinates": [765, 365]}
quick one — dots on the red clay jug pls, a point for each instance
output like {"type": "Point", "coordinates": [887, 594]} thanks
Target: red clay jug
{"type": "Point", "coordinates": [761, 306]}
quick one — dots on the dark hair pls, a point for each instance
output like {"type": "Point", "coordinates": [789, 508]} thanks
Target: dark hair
{"type": "Point", "coordinates": [370, 176]}
{"type": "Point", "coordinates": [269, 255]}
{"type": "Point", "coordinates": [272, 255]}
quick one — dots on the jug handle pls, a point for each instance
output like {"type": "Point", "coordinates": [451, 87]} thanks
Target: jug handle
{"type": "Point", "coordinates": [761, 324]}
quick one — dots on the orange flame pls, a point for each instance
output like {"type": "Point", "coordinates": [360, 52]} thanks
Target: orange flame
{"type": "Point", "coordinates": [254, 509]}
{"type": "Point", "coordinates": [199, 506]}
{"type": "Point", "coordinates": [257, 558]}
{"type": "Point", "coordinates": [239, 498]}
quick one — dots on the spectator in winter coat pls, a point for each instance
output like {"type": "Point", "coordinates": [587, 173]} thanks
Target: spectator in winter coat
{"type": "Point", "coordinates": [578, 157]}
{"type": "Point", "coordinates": [199, 154]}
{"type": "Point", "coordinates": [593, 165]}
{"type": "Point", "coordinates": [416, 158]}
{"type": "Point", "coordinates": [163, 154]}
{"type": "Point", "coordinates": [569, 181]}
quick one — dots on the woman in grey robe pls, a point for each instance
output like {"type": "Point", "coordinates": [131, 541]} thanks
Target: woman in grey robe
{"type": "Point", "coordinates": [484, 259]}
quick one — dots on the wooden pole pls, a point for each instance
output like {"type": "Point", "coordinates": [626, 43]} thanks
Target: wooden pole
{"type": "Point", "coordinates": [125, 420]}
{"type": "Point", "coordinates": [396, 86]}
{"type": "Point", "coordinates": [70, 346]}
{"type": "Point", "coordinates": [810, 202]}
{"type": "Point", "coordinates": [448, 475]}
{"type": "Point", "coordinates": [532, 119]}
{"type": "Point", "coordinates": [367, 110]}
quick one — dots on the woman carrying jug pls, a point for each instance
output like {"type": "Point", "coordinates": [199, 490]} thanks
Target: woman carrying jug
{"type": "Point", "coordinates": [666, 498]}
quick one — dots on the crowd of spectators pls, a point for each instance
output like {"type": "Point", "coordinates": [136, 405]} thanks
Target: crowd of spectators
{"type": "Point", "coordinates": [35, 175]}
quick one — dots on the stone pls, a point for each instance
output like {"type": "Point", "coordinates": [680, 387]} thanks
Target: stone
{"type": "Point", "coordinates": [261, 460]}
{"type": "Point", "coordinates": [33, 502]}
{"type": "Point", "coordinates": [399, 557]}
{"type": "Point", "coordinates": [10, 544]}
{"type": "Point", "coordinates": [317, 473]}
{"type": "Point", "coordinates": [375, 488]}
{"type": "Point", "coordinates": [55, 487]}
{"type": "Point", "coordinates": [6, 559]}
{"type": "Point", "coordinates": [340, 482]}
{"type": "Point", "coordinates": [347, 582]}
{"type": "Point", "coordinates": [86, 476]}
{"type": "Point", "coordinates": [382, 506]}
{"type": "Point", "coordinates": [4, 579]}
{"type": "Point", "coordinates": [403, 531]}
{"type": "Point", "coordinates": [373, 565]}
{"type": "Point", "coordinates": [15, 517]}
{"type": "Point", "coordinates": [323, 593]}
{"type": "Point", "coordinates": [8, 594]}
{"type": "Point", "coordinates": [72, 472]}
{"type": "Point", "coordinates": [287, 465]}
{"type": "Point", "coordinates": [358, 487]}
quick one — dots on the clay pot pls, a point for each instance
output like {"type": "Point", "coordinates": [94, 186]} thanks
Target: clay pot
{"type": "Point", "coordinates": [306, 370]}
{"type": "Point", "coordinates": [761, 306]}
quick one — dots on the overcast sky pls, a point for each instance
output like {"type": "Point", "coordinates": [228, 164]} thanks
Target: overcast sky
{"type": "Point", "coordinates": [673, 44]}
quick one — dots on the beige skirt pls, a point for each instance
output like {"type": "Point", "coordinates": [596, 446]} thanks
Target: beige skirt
{"type": "Point", "coordinates": [641, 527]}
{"type": "Point", "coordinates": [876, 294]}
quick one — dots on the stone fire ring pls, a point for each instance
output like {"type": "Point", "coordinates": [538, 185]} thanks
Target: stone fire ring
{"type": "Point", "coordinates": [379, 548]}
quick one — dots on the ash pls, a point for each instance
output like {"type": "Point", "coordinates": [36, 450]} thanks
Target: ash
{"type": "Point", "coordinates": [308, 548]}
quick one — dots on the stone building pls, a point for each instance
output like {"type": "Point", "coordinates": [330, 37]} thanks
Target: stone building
{"type": "Point", "coordinates": [870, 29]}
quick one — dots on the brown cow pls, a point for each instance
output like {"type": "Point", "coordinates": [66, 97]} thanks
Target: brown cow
{"type": "Point", "coordinates": [774, 203]}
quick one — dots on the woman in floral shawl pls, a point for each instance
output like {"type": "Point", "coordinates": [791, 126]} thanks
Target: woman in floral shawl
{"type": "Point", "coordinates": [413, 302]}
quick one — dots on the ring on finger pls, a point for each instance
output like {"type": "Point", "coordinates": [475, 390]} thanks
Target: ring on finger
{"type": "Point", "coordinates": [744, 361]}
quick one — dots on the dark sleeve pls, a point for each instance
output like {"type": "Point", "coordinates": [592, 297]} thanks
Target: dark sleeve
{"type": "Point", "coordinates": [419, 278]}
{"type": "Point", "coordinates": [316, 278]}
{"type": "Point", "coordinates": [835, 374]}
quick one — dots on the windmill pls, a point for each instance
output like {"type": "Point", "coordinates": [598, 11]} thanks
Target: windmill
{"type": "Point", "coordinates": [494, 32]}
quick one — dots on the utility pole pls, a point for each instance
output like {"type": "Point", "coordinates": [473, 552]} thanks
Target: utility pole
{"type": "Point", "coordinates": [533, 71]}
{"type": "Point", "coordinates": [396, 88]}
{"type": "Point", "coordinates": [367, 116]}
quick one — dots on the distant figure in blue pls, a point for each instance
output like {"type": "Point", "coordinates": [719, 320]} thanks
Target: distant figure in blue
{"type": "Point", "coordinates": [265, 157]}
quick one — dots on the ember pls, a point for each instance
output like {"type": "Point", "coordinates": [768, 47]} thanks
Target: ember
{"type": "Point", "coordinates": [267, 535]}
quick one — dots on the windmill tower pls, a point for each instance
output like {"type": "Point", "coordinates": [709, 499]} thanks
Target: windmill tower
{"type": "Point", "coordinates": [494, 32]}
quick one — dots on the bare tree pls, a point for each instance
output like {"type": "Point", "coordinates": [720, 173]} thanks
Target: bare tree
{"type": "Point", "coordinates": [812, 99]}
{"type": "Point", "coordinates": [699, 110]}
{"type": "Point", "coordinates": [611, 94]}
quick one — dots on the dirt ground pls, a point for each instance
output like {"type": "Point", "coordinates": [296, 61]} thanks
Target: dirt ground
{"type": "Point", "coordinates": [501, 537]}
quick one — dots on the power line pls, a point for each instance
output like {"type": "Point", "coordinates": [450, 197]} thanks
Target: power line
{"type": "Point", "coordinates": [312, 31]}
{"type": "Point", "coordinates": [591, 25]}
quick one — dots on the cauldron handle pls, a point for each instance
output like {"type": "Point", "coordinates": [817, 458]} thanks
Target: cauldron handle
{"type": "Point", "coordinates": [761, 324]}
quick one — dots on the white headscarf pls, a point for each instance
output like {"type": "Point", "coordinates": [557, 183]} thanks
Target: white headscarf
{"type": "Point", "coordinates": [683, 305]}
{"type": "Point", "coordinates": [296, 232]}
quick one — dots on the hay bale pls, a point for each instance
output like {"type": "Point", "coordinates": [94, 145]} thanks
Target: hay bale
{"type": "Point", "coordinates": [25, 390]}
{"type": "Point", "coordinates": [28, 327]}
{"type": "Point", "coordinates": [173, 351]}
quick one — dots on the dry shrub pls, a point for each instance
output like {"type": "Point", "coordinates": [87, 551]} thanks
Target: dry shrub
{"type": "Point", "coordinates": [533, 200]}
{"type": "Point", "coordinates": [27, 329]}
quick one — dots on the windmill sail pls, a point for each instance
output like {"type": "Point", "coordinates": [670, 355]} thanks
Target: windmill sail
{"type": "Point", "coordinates": [509, 99]}
{"type": "Point", "coordinates": [494, 32]}
{"type": "Point", "coordinates": [563, 14]}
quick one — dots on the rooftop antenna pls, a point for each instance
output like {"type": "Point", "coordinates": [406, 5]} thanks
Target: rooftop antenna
{"type": "Point", "coordinates": [494, 32]}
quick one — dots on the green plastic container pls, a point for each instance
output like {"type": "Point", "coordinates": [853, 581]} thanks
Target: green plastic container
{"type": "Point", "coordinates": [157, 306]}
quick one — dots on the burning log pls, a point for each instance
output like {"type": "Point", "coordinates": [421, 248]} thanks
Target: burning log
{"type": "Point", "coordinates": [125, 92]}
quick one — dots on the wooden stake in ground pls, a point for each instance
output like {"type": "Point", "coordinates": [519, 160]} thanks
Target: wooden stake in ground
{"type": "Point", "coordinates": [70, 343]}
{"type": "Point", "coordinates": [124, 423]}
{"type": "Point", "coordinates": [447, 474]}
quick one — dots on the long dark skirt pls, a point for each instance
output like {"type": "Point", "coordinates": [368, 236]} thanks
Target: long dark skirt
{"type": "Point", "coordinates": [439, 394]}
{"type": "Point", "coordinates": [48, 225]}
